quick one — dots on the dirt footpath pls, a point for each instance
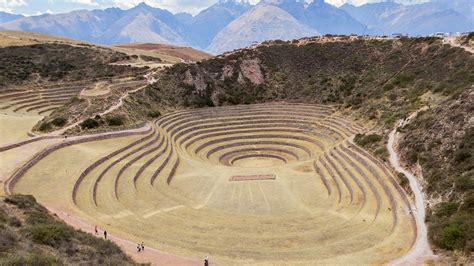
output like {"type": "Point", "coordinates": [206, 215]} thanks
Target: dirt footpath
{"type": "Point", "coordinates": [150, 255]}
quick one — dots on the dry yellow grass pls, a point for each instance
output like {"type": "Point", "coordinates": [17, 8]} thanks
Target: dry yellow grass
{"type": "Point", "coordinates": [15, 126]}
{"type": "Point", "coordinates": [167, 53]}
{"type": "Point", "coordinates": [16, 38]}
{"type": "Point", "coordinates": [330, 202]}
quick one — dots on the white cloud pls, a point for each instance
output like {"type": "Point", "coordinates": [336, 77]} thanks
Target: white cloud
{"type": "Point", "coordinates": [7, 5]}
{"type": "Point", "coordinates": [84, 2]}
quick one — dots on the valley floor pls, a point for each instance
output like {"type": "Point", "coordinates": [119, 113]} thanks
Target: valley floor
{"type": "Point", "coordinates": [330, 202]}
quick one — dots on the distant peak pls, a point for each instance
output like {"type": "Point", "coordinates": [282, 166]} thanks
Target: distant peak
{"type": "Point", "coordinates": [319, 2]}
{"type": "Point", "coordinates": [143, 5]}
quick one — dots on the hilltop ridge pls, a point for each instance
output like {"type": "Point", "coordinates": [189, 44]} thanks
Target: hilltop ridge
{"type": "Point", "coordinates": [207, 29]}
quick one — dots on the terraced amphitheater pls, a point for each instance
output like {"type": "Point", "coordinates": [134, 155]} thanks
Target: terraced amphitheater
{"type": "Point", "coordinates": [39, 101]}
{"type": "Point", "coordinates": [262, 183]}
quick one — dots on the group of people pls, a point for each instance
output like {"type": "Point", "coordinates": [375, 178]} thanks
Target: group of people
{"type": "Point", "coordinates": [96, 231]}
{"type": "Point", "coordinates": [140, 247]}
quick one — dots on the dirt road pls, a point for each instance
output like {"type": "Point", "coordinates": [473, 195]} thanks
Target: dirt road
{"type": "Point", "coordinates": [420, 250]}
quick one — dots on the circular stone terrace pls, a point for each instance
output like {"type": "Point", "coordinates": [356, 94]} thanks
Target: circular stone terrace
{"type": "Point", "coordinates": [264, 183]}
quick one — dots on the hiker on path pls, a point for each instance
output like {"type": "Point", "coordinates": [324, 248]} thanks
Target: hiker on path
{"type": "Point", "coordinates": [143, 246]}
{"type": "Point", "coordinates": [139, 248]}
{"type": "Point", "coordinates": [206, 261]}
{"type": "Point", "coordinates": [105, 234]}
{"type": "Point", "coordinates": [96, 231]}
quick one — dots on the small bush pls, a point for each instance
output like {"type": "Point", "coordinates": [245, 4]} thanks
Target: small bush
{"type": "Point", "coordinates": [464, 183]}
{"type": "Point", "coordinates": [45, 126]}
{"type": "Point", "coordinates": [38, 217]}
{"type": "Point", "coordinates": [15, 222]}
{"type": "Point", "coordinates": [48, 234]}
{"type": "Point", "coordinates": [3, 217]}
{"type": "Point", "coordinates": [403, 181]}
{"type": "Point", "coordinates": [59, 121]}
{"type": "Point", "coordinates": [89, 124]}
{"type": "Point", "coordinates": [446, 209]}
{"type": "Point", "coordinates": [34, 259]}
{"type": "Point", "coordinates": [452, 236]}
{"type": "Point", "coordinates": [7, 240]}
{"type": "Point", "coordinates": [150, 58]}
{"type": "Point", "coordinates": [382, 152]}
{"type": "Point", "coordinates": [462, 155]}
{"type": "Point", "coordinates": [22, 201]}
{"type": "Point", "coordinates": [115, 121]}
{"type": "Point", "coordinates": [104, 247]}
{"type": "Point", "coordinates": [154, 114]}
{"type": "Point", "coordinates": [365, 140]}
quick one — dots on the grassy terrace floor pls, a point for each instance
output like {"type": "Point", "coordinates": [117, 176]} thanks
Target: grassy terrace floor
{"type": "Point", "coordinates": [330, 201]}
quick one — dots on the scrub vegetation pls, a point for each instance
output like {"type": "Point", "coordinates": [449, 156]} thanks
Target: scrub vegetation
{"type": "Point", "coordinates": [30, 235]}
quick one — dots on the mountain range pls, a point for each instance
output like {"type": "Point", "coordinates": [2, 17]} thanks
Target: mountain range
{"type": "Point", "coordinates": [231, 24]}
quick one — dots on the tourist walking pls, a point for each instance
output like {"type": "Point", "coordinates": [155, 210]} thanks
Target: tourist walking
{"type": "Point", "coordinates": [143, 246]}
{"type": "Point", "coordinates": [139, 248]}
{"type": "Point", "coordinates": [105, 234]}
{"type": "Point", "coordinates": [96, 231]}
{"type": "Point", "coordinates": [206, 261]}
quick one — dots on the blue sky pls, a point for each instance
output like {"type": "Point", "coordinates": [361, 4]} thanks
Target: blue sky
{"type": "Point", "coordinates": [37, 7]}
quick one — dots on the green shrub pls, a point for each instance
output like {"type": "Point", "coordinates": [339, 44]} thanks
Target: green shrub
{"type": "Point", "coordinates": [154, 114]}
{"type": "Point", "coordinates": [33, 259]}
{"type": "Point", "coordinates": [8, 240]}
{"type": "Point", "coordinates": [48, 234]}
{"type": "Point", "coordinates": [3, 216]}
{"type": "Point", "coordinates": [365, 140]}
{"type": "Point", "coordinates": [89, 124]}
{"type": "Point", "coordinates": [22, 201]}
{"type": "Point", "coordinates": [150, 58]}
{"type": "Point", "coordinates": [38, 217]}
{"type": "Point", "coordinates": [462, 155]}
{"type": "Point", "coordinates": [59, 121]}
{"type": "Point", "coordinates": [45, 126]}
{"type": "Point", "coordinates": [412, 157]}
{"type": "Point", "coordinates": [115, 120]}
{"type": "Point", "coordinates": [15, 222]}
{"type": "Point", "coordinates": [452, 236]}
{"type": "Point", "coordinates": [75, 99]}
{"type": "Point", "coordinates": [446, 209]}
{"type": "Point", "coordinates": [388, 87]}
{"type": "Point", "coordinates": [403, 181]}
{"type": "Point", "coordinates": [381, 152]}
{"type": "Point", "coordinates": [464, 183]}
{"type": "Point", "coordinates": [104, 247]}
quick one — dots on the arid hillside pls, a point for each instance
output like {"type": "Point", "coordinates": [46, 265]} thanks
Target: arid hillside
{"type": "Point", "coordinates": [30, 235]}
{"type": "Point", "coordinates": [17, 38]}
{"type": "Point", "coordinates": [167, 53]}
{"type": "Point", "coordinates": [163, 54]}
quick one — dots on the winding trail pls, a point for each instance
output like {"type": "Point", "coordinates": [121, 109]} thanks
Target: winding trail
{"type": "Point", "coordinates": [150, 80]}
{"type": "Point", "coordinates": [420, 251]}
